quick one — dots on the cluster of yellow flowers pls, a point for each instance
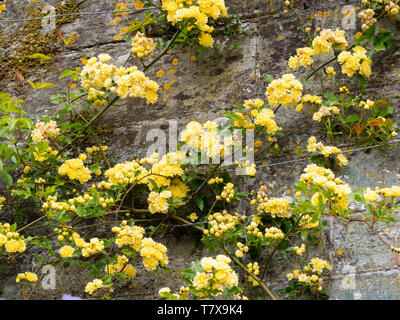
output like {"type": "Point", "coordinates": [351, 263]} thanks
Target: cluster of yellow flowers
{"type": "Point", "coordinates": [252, 229]}
{"type": "Point", "coordinates": [265, 118]}
{"type": "Point", "coordinates": [304, 278]}
{"type": "Point", "coordinates": [45, 130]}
{"type": "Point", "coordinates": [63, 232]}
{"type": "Point", "coordinates": [300, 250]}
{"type": "Point", "coordinates": [318, 265]}
{"type": "Point", "coordinates": [3, 6]}
{"type": "Point", "coordinates": [305, 222]}
{"type": "Point", "coordinates": [169, 166]}
{"type": "Point", "coordinates": [302, 59]}
{"type": "Point", "coordinates": [215, 180]}
{"type": "Point", "coordinates": [142, 46]}
{"type": "Point", "coordinates": [12, 245]}
{"type": "Point", "coordinates": [367, 18]}
{"type": "Point", "coordinates": [127, 172]}
{"type": "Point", "coordinates": [94, 246]}
{"type": "Point", "coordinates": [66, 251]}
{"type": "Point", "coordinates": [369, 2]}
{"type": "Point", "coordinates": [203, 137]}
{"type": "Point", "coordinates": [394, 191]}
{"type": "Point", "coordinates": [122, 265]}
{"type": "Point", "coordinates": [40, 181]}
{"type": "Point", "coordinates": [243, 121]}
{"type": "Point", "coordinates": [325, 112]}
{"type": "Point", "coordinates": [227, 193]}
{"type": "Point", "coordinates": [28, 276]}
{"type": "Point", "coordinates": [327, 39]}
{"type": "Point", "coordinates": [274, 233]}
{"type": "Point", "coordinates": [354, 61]}
{"type": "Point", "coordinates": [93, 286]}
{"type": "Point", "coordinates": [217, 274]}
{"type": "Point", "coordinates": [255, 269]}
{"type": "Point", "coordinates": [222, 222]}
{"type": "Point", "coordinates": [75, 170]}
{"type": "Point", "coordinates": [317, 100]}
{"type": "Point", "coordinates": [315, 266]}
{"type": "Point", "coordinates": [11, 241]}
{"type": "Point", "coordinates": [193, 217]}
{"type": "Point", "coordinates": [104, 184]}
{"type": "Point", "coordinates": [76, 238]}
{"type": "Point", "coordinates": [153, 253]}
{"type": "Point", "coordinates": [178, 189]}
{"type": "Point", "coordinates": [95, 96]}
{"type": "Point", "coordinates": [253, 104]}
{"type": "Point", "coordinates": [315, 175]}
{"type": "Point", "coordinates": [344, 89]}
{"type": "Point", "coordinates": [249, 169]}
{"type": "Point", "coordinates": [130, 236]}
{"type": "Point", "coordinates": [2, 200]}
{"type": "Point", "coordinates": [311, 99]}
{"type": "Point", "coordinates": [316, 198]}
{"type": "Point", "coordinates": [52, 203]}
{"type": "Point", "coordinates": [331, 71]}
{"type": "Point", "coordinates": [392, 7]}
{"type": "Point", "coordinates": [241, 248]}
{"type": "Point", "coordinates": [372, 196]}
{"type": "Point", "coordinates": [106, 202]}
{"type": "Point", "coordinates": [285, 91]}
{"type": "Point", "coordinates": [45, 155]}
{"type": "Point", "coordinates": [179, 10]}
{"type": "Point", "coordinates": [94, 149]}
{"type": "Point", "coordinates": [366, 104]}
{"type": "Point", "coordinates": [158, 202]}
{"type": "Point", "coordinates": [274, 206]}
{"type": "Point", "coordinates": [313, 146]}
{"type": "Point", "coordinates": [122, 81]}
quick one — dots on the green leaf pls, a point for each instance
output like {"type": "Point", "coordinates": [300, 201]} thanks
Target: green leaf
{"type": "Point", "coordinates": [154, 184]}
{"type": "Point", "coordinates": [351, 118]}
{"type": "Point", "coordinates": [362, 82]}
{"type": "Point", "coordinates": [370, 32]}
{"type": "Point", "coordinates": [196, 266]}
{"type": "Point", "coordinates": [7, 178]}
{"type": "Point", "coordinates": [40, 56]}
{"type": "Point", "coordinates": [13, 227]}
{"type": "Point", "coordinates": [94, 168]}
{"type": "Point", "coordinates": [188, 273]}
{"type": "Point", "coordinates": [67, 73]}
{"type": "Point", "coordinates": [232, 115]}
{"type": "Point", "coordinates": [268, 77]}
{"type": "Point", "coordinates": [374, 111]}
{"type": "Point", "coordinates": [386, 111]}
{"type": "Point", "coordinates": [45, 85]}
{"type": "Point", "coordinates": [330, 95]}
{"type": "Point", "coordinates": [200, 203]}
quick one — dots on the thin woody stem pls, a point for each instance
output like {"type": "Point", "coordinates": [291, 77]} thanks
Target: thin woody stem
{"type": "Point", "coordinates": [259, 281]}
{"type": "Point", "coordinates": [163, 52]}
{"type": "Point", "coordinates": [277, 246]}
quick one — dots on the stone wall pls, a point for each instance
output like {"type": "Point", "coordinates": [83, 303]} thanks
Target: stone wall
{"type": "Point", "coordinates": [205, 88]}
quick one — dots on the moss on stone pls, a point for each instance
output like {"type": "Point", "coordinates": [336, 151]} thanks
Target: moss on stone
{"type": "Point", "coordinates": [29, 40]}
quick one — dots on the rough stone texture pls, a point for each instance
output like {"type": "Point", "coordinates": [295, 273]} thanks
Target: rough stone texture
{"type": "Point", "coordinates": [207, 87]}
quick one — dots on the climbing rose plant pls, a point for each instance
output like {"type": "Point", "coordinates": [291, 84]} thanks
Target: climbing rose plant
{"type": "Point", "coordinates": [59, 167]}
